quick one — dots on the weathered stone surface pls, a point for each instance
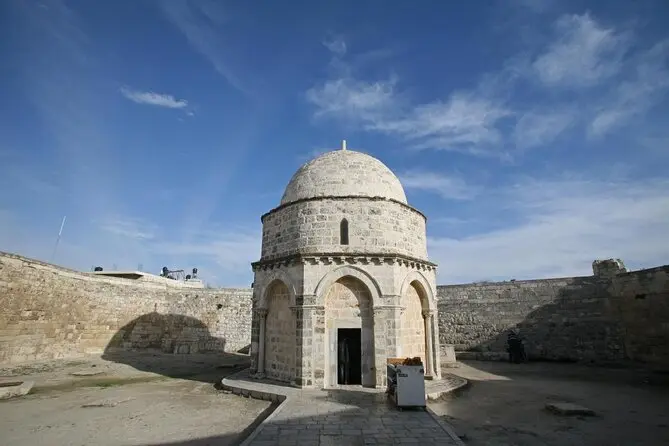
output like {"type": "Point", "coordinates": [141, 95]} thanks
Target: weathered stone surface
{"type": "Point", "coordinates": [50, 312]}
{"type": "Point", "coordinates": [91, 372]}
{"type": "Point", "coordinates": [596, 319]}
{"type": "Point", "coordinates": [352, 255]}
{"type": "Point", "coordinates": [109, 402]}
{"type": "Point", "coordinates": [14, 389]}
{"type": "Point", "coordinates": [374, 226]}
{"type": "Point", "coordinates": [343, 173]}
{"type": "Point", "coordinates": [569, 409]}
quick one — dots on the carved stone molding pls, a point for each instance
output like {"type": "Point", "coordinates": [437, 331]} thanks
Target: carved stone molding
{"type": "Point", "coordinates": [343, 258]}
{"type": "Point", "coordinates": [261, 312]}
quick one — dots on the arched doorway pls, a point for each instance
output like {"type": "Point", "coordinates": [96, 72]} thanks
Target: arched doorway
{"type": "Point", "coordinates": [349, 334]}
{"type": "Point", "coordinates": [279, 334]}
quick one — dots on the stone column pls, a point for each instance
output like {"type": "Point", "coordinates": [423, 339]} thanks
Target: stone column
{"type": "Point", "coordinates": [262, 317]}
{"type": "Point", "coordinates": [429, 350]}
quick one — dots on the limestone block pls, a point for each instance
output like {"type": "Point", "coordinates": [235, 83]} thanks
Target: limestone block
{"type": "Point", "coordinates": [14, 389]}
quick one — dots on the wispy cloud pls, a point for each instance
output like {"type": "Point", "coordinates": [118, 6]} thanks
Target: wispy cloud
{"type": "Point", "coordinates": [564, 225]}
{"type": "Point", "coordinates": [466, 119]}
{"type": "Point", "coordinates": [130, 228]}
{"type": "Point", "coordinates": [492, 114]}
{"type": "Point", "coordinates": [536, 128]}
{"type": "Point", "coordinates": [583, 54]}
{"type": "Point", "coordinates": [349, 98]}
{"type": "Point", "coordinates": [637, 95]}
{"type": "Point", "coordinates": [152, 98]}
{"type": "Point", "coordinates": [202, 23]}
{"type": "Point", "coordinates": [229, 251]}
{"type": "Point", "coordinates": [336, 45]}
{"type": "Point", "coordinates": [449, 187]}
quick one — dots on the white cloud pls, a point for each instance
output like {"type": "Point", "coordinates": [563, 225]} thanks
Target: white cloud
{"type": "Point", "coordinates": [350, 98]}
{"type": "Point", "coordinates": [636, 96]}
{"type": "Point", "coordinates": [336, 46]}
{"type": "Point", "coordinates": [491, 116]}
{"type": "Point", "coordinates": [583, 54]}
{"type": "Point", "coordinates": [129, 228]}
{"type": "Point", "coordinates": [449, 187]}
{"type": "Point", "coordinates": [465, 119]}
{"type": "Point", "coordinates": [151, 98]}
{"type": "Point", "coordinates": [230, 251]}
{"type": "Point", "coordinates": [539, 127]}
{"type": "Point", "coordinates": [565, 225]}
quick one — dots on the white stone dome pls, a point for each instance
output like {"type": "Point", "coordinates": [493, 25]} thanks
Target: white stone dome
{"type": "Point", "coordinates": [342, 173]}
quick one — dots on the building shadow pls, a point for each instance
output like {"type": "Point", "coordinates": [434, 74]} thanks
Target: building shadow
{"type": "Point", "coordinates": [580, 325]}
{"type": "Point", "coordinates": [175, 346]}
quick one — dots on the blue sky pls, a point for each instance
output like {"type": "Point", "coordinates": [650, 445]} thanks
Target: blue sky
{"type": "Point", "coordinates": [533, 134]}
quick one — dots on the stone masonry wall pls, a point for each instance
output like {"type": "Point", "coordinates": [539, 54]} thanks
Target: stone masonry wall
{"type": "Point", "coordinates": [280, 334]}
{"type": "Point", "coordinates": [594, 318]}
{"type": "Point", "coordinates": [48, 312]}
{"type": "Point", "coordinates": [375, 226]}
{"type": "Point", "coordinates": [412, 339]}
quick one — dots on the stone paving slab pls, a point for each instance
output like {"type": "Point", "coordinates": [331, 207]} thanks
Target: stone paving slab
{"type": "Point", "coordinates": [350, 416]}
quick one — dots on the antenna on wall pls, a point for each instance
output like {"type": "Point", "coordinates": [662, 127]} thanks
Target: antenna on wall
{"type": "Point", "coordinates": [53, 254]}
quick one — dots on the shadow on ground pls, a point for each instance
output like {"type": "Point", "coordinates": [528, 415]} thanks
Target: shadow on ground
{"type": "Point", "coordinates": [505, 404]}
{"type": "Point", "coordinates": [173, 345]}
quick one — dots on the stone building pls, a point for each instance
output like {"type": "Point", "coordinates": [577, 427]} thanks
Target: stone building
{"type": "Point", "coordinates": [344, 280]}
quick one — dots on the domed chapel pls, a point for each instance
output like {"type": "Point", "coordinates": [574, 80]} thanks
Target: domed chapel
{"type": "Point", "coordinates": [344, 281]}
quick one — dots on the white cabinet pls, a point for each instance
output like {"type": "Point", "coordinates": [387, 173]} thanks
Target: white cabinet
{"type": "Point", "coordinates": [406, 385]}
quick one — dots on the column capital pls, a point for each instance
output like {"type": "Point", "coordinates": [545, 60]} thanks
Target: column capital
{"type": "Point", "coordinates": [262, 312]}
{"type": "Point", "coordinates": [428, 313]}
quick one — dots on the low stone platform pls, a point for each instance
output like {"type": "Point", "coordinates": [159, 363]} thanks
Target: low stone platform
{"type": "Point", "coordinates": [347, 416]}
{"type": "Point", "coordinates": [14, 389]}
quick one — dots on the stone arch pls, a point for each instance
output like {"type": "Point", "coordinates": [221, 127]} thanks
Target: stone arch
{"type": "Point", "coordinates": [421, 283]}
{"type": "Point", "coordinates": [333, 276]}
{"type": "Point", "coordinates": [270, 280]}
{"type": "Point", "coordinates": [280, 341]}
{"type": "Point", "coordinates": [348, 304]}
{"type": "Point", "coordinates": [415, 299]}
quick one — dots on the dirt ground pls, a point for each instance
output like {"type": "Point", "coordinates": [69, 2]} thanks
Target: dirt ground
{"type": "Point", "coordinates": [504, 405]}
{"type": "Point", "coordinates": [115, 404]}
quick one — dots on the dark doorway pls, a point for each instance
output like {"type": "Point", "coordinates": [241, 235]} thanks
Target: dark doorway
{"type": "Point", "coordinates": [349, 356]}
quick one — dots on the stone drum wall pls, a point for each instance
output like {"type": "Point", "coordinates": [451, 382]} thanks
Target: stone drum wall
{"type": "Point", "coordinates": [48, 312]}
{"type": "Point", "coordinates": [375, 226]}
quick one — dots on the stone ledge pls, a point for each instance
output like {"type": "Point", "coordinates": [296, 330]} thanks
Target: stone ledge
{"type": "Point", "coordinates": [14, 389]}
{"type": "Point", "coordinates": [448, 383]}
{"type": "Point", "coordinates": [257, 390]}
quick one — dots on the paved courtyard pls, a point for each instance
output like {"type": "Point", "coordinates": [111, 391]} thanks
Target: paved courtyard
{"type": "Point", "coordinates": [351, 416]}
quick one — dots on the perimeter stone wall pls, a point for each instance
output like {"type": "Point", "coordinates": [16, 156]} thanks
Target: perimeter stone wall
{"type": "Point", "coordinates": [604, 318]}
{"type": "Point", "coordinates": [48, 312]}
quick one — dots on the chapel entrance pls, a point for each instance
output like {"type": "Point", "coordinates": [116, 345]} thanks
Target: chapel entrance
{"type": "Point", "coordinates": [349, 356]}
